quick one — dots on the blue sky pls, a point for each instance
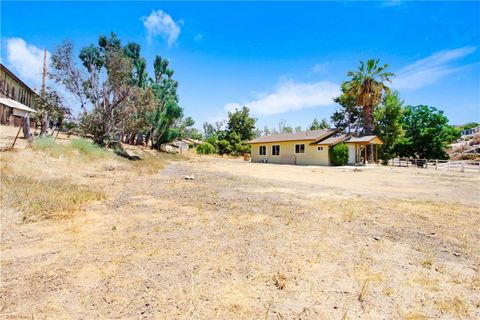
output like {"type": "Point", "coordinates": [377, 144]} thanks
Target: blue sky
{"type": "Point", "coordinates": [284, 60]}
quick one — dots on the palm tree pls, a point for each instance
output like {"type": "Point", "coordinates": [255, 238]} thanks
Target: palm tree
{"type": "Point", "coordinates": [367, 86]}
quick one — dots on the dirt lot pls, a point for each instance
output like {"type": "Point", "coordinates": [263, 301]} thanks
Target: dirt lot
{"type": "Point", "coordinates": [244, 241]}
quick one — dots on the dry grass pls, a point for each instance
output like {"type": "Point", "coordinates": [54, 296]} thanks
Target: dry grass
{"type": "Point", "coordinates": [77, 148]}
{"type": "Point", "coordinates": [455, 306]}
{"type": "Point", "coordinates": [40, 199]}
{"type": "Point", "coordinates": [227, 246]}
{"type": "Point", "coordinates": [149, 161]}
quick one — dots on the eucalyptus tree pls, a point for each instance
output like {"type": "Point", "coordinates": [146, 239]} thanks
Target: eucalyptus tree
{"type": "Point", "coordinates": [168, 112]}
{"type": "Point", "coordinates": [101, 90]}
{"type": "Point", "coordinates": [116, 95]}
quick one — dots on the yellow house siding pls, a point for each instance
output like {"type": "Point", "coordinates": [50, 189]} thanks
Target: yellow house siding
{"type": "Point", "coordinates": [288, 155]}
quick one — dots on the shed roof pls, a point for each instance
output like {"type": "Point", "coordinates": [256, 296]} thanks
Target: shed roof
{"type": "Point", "coordinates": [365, 139]}
{"type": "Point", "coordinates": [15, 104]}
{"type": "Point", "coordinates": [298, 136]}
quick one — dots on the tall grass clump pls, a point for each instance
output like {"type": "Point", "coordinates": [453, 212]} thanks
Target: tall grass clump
{"type": "Point", "coordinates": [88, 149]}
{"type": "Point", "coordinates": [77, 147]}
{"type": "Point", "coordinates": [48, 145]}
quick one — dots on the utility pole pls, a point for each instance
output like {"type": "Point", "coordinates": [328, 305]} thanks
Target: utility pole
{"type": "Point", "coordinates": [44, 74]}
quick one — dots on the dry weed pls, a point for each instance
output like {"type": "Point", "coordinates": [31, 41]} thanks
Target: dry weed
{"type": "Point", "coordinates": [44, 199]}
{"type": "Point", "coordinates": [280, 280]}
{"type": "Point", "coordinates": [455, 306]}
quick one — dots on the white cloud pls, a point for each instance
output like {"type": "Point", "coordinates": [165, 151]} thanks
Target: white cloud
{"type": "Point", "coordinates": [320, 67]}
{"type": "Point", "coordinates": [198, 37]}
{"type": "Point", "coordinates": [431, 69]}
{"type": "Point", "coordinates": [292, 96]}
{"type": "Point", "coordinates": [159, 23]}
{"type": "Point", "coordinates": [26, 60]}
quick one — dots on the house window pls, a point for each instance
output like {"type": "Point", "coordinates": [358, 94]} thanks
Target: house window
{"type": "Point", "coordinates": [276, 150]}
{"type": "Point", "coordinates": [300, 148]}
{"type": "Point", "coordinates": [262, 150]}
{"type": "Point", "coordinates": [319, 148]}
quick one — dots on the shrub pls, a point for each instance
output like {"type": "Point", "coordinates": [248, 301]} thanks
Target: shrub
{"type": "Point", "coordinates": [88, 149]}
{"type": "Point", "coordinates": [339, 154]}
{"type": "Point", "coordinates": [205, 148]}
{"type": "Point", "coordinates": [224, 147]}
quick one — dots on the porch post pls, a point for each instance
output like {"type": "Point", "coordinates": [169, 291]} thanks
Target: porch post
{"type": "Point", "coordinates": [366, 154]}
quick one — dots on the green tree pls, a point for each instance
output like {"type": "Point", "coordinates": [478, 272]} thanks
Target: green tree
{"type": "Point", "coordinates": [224, 147]}
{"type": "Point", "coordinates": [338, 154]}
{"type": "Point", "coordinates": [388, 124]}
{"type": "Point", "coordinates": [51, 103]}
{"type": "Point", "coordinates": [168, 112]}
{"type": "Point", "coordinates": [240, 128]}
{"type": "Point", "coordinates": [316, 125]}
{"type": "Point", "coordinates": [427, 133]}
{"type": "Point", "coordinates": [105, 87]}
{"type": "Point", "coordinates": [367, 86]}
{"type": "Point", "coordinates": [205, 148]}
{"type": "Point", "coordinates": [241, 123]}
{"type": "Point", "coordinates": [469, 125]}
{"type": "Point", "coordinates": [349, 117]}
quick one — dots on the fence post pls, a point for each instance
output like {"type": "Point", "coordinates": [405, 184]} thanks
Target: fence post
{"type": "Point", "coordinates": [436, 164]}
{"type": "Point", "coordinates": [462, 168]}
{"type": "Point", "coordinates": [448, 165]}
{"type": "Point", "coordinates": [416, 163]}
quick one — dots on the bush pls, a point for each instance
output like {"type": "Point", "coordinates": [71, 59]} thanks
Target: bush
{"type": "Point", "coordinates": [339, 154]}
{"type": "Point", "coordinates": [205, 148]}
{"type": "Point", "coordinates": [224, 147]}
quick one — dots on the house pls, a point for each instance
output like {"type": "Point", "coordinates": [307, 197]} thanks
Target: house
{"type": "Point", "coordinates": [471, 131]}
{"type": "Point", "coordinates": [310, 147]}
{"type": "Point", "coordinates": [16, 98]}
{"type": "Point", "coordinates": [193, 142]}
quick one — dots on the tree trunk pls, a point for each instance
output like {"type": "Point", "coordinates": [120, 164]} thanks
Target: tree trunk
{"type": "Point", "coordinates": [44, 127]}
{"type": "Point", "coordinates": [368, 125]}
{"type": "Point", "coordinates": [26, 127]}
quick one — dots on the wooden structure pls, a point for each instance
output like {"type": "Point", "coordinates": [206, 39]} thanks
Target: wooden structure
{"type": "Point", "coordinates": [360, 149]}
{"type": "Point", "coordinates": [16, 99]}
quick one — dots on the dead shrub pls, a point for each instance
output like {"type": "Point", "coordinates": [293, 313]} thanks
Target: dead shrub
{"type": "Point", "coordinates": [280, 281]}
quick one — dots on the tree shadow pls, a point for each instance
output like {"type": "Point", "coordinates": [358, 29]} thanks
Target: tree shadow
{"type": "Point", "coordinates": [124, 154]}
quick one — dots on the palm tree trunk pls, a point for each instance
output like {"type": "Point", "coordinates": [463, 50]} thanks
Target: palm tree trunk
{"type": "Point", "coordinates": [368, 125]}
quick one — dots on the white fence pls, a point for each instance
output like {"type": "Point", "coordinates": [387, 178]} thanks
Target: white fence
{"type": "Point", "coordinates": [446, 165]}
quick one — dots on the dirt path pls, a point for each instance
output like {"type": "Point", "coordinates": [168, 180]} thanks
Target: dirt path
{"type": "Point", "coordinates": [240, 242]}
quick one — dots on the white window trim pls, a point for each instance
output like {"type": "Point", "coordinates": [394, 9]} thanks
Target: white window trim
{"type": "Point", "coordinates": [295, 148]}
{"type": "Point", "coordinates": [279, 152]}
{"type": "Point", "coordinates": [320, 150]}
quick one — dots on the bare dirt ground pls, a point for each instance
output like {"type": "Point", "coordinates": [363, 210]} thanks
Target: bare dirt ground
{"type": "Point", "coordinates": [245, 241]}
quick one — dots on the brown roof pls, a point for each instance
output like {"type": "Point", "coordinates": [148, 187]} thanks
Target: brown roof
{"type": "Point", "coordinates": [299, 136]}
{"type": "Point", "coordinates": [332, 140]}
